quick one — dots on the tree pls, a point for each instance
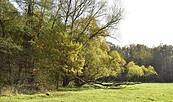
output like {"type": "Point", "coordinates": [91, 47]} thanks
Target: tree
{"type": "Point", "coordinates": [134, 71]}
{"type": "Point", "coordinates": [99, 62]}
{"type": "Point", "coordinates": [96, 61]}
{"type": "Point", "coordinates": [59, 55]}
{"type": "Point", "coordinates": [9, 45]}
{"type": "Point", "coordinates": [116, 63]}
{"type": "Point", "coordinates": [162, 61]}
{"type": "Point", "coordinates": [8, 51]}
{"type": "Point", "coordinates": [78, 16]}
{"type": "Point", "coordinates": [149, 74]}
{"type": "Point", "coordinates": [140, 73]}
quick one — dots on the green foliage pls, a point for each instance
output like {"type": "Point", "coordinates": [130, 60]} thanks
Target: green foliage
{"type": "Point", "coordinates": [116, 63]}
{"type": "Point", "coordinates": [46, 44]}
{"type": "Point", "coordinates": [149, 71]}
{"type": "Point", "coordinates": [58, 54]}
{"type": "Point", "coordinates": [96, 59]}
{"type": "Point", "coordinates": [134, 71]}
{"type": "Point", "coordinates": [140, 54]}
{"type": "Point", "coordinates": [8, 46]}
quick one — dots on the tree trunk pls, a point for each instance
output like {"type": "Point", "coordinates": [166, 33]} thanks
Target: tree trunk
{"type": "Point", "coordinates": [57, 81]}
{"type": "Point", "coordinates": [66, 81]}
{"type": "Point", "coordinates": [79, 82]}
{"type": "Point", "coordinates": [2, 28]}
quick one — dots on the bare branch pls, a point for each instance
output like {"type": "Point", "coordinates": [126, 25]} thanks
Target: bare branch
{"type": "Point", "coordinates": [113, 22]}
{"type": "Point", "coordinates": [90, 19]}
{"type": "Point", "coordinates": [68, 11]}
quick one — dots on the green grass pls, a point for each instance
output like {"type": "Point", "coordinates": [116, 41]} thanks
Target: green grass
{"type": "Point", "coordinates": [150, 92]}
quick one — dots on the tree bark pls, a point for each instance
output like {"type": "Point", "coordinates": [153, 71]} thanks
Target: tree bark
{"type": "Point", "coordinates": [57, 81]}
{"type": "Point", "coordinates": [79, 82]}
{"type": "Point", "coordinates": [66, 81]}
{"type": "Point", "coordinates": [2, 28]}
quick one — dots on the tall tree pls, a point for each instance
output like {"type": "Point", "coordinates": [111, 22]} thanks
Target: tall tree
{"type": "Point", "coordinates": [162, 61]}
{"type": "Point", "coordinates": [9, 42]}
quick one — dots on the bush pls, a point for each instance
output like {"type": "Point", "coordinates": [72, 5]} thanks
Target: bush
{"type": "Point", "coordinates": [8, 90]}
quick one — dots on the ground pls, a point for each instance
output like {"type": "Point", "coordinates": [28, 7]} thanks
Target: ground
{"type": "Point", "coordinates": [147, 92]}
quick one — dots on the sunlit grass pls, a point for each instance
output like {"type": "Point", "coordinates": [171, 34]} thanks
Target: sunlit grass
{"type": "Point", "coordinates": [149, 92]}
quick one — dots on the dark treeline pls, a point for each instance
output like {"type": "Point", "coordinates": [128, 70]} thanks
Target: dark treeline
{"type": "Point", "coordinates": [160, 57]}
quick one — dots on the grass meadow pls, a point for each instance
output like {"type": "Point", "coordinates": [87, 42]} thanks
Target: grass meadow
{"type": "Point", "coordinates": [146, 92]}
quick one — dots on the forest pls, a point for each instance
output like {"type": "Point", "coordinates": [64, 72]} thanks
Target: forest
{"type": "Point", "coordinates": [47, 44]}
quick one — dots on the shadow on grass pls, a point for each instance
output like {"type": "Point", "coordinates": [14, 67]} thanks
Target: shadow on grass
{"type": "Point", "coordinates": [74, 89]}
{"type": "Point", "coordinates": [116, 88]}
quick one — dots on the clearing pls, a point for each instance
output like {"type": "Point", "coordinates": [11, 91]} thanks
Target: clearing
{"type": "Point", "coordinates": [147, 92]}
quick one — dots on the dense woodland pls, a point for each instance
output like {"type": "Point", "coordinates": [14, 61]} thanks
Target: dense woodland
{"type": "Point", "coordinates": [160, 57]}
{"type": "Point", "coordinates": [47, 44]}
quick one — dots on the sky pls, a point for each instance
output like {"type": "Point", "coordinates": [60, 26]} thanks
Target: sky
{"type": "Point", "coordinates": [148, 22]}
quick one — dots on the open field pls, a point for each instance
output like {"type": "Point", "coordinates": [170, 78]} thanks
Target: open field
{"type": "Point", "coordinates": [149, 92]}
